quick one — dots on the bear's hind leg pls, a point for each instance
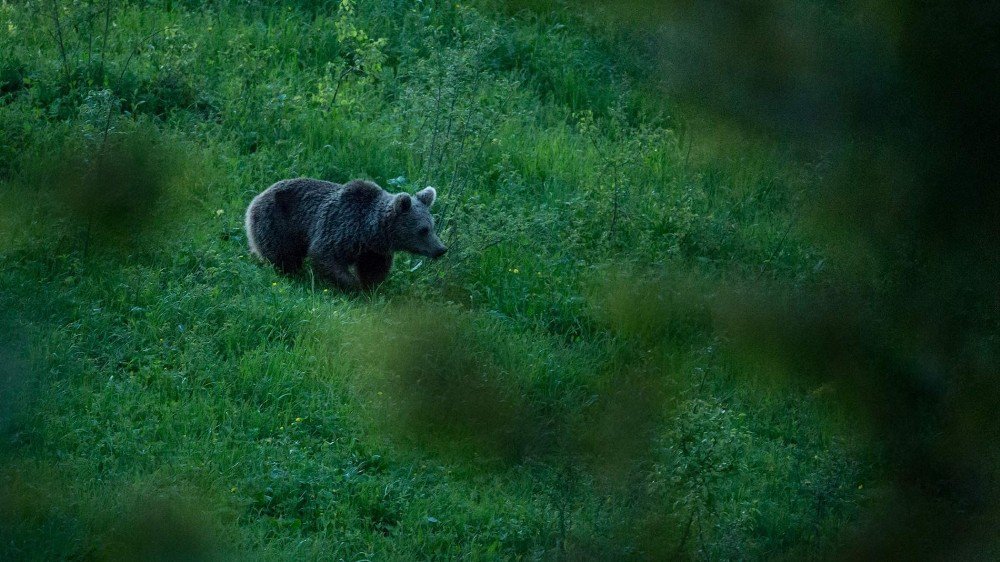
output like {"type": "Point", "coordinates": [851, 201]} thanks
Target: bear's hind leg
{"type": "Point", "coordinates": [373, 268]}
{"type": "Point", "coordinates": [270, 239]}
{"type": "Point", "coordinates": [335, 272]}
{"type": "Point", "coordinates": [290, 259]}
{"type": "Point", "coordinates": [287, 254]}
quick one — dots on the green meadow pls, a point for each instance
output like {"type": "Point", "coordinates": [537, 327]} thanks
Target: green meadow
{"type": "Point", "coordinates": [564, 384]}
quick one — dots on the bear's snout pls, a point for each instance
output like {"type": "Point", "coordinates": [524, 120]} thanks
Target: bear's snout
{"type": "Point", "coordinates": [439, 252]}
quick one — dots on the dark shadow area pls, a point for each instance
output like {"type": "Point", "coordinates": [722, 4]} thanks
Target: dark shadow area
{"type": "Point", "coordinates": [899, 99]}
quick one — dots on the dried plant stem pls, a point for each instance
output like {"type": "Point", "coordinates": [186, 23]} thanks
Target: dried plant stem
{"type": "Point", "coordinates": [104, 37]}
{"type": "Point", "coordinates": [57, 23]}
{"type": "Point", "coordinates": [121, 76]}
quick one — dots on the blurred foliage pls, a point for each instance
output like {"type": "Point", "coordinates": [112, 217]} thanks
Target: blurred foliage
{"type": "Point", "coordinates": [900, 97]}
{"type": "Point", "coordinates": [40, 523]}
{"type": "Point", "coordinates": [443, 385]}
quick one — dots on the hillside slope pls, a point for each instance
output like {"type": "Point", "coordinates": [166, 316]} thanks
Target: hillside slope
{"type": "Point", "coordinates": [555, 386]}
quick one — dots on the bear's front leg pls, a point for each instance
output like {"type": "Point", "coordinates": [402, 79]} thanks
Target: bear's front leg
{"type": "Point", "coordinates": [336, 272]}
{"type": "Point", "coordinates": [373, 268]}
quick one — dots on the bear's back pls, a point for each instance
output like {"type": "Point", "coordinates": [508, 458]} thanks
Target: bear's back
{"type": "Point", "coordinates": [304, 196]}
{"type": "Point", "coordinates": [351, 217]}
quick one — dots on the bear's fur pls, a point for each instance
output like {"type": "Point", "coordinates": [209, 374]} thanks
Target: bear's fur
{"type": "Point", "coordinates": [338, 226]}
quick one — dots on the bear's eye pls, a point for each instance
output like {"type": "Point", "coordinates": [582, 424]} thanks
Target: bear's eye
{"type": "Point", "coordinates": [425, 231]}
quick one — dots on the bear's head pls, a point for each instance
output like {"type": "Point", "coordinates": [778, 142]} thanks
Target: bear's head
{"type": "Point", "coordinates": [413, 225]}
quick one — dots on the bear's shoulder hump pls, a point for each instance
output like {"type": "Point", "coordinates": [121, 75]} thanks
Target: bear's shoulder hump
{"type": "Point", "coordinates": [360, 193]}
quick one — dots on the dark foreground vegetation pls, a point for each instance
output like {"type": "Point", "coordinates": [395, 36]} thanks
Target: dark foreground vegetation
{"type": "Point", "coordinates": [722, 282]}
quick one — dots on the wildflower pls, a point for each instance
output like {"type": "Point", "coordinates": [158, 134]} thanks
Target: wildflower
{"type": "Point", "coordinates": [274, 284]}
{"type": "Point", "coordinates": [218, 212]}
{"type": "Point", "coordinates": [298, 420]}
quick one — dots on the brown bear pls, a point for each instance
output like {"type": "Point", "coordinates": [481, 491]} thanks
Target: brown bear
{"type": "Point", "coordinates": [338, 226]}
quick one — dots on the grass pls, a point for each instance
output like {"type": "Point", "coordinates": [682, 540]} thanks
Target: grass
{"type": "Point", "coordinates": [555, 387]}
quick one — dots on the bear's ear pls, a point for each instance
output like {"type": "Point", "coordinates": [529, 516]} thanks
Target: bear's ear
{"type": "Point", "coordinates": [427, 195]}
{"type": "Point", "coordinates": [402, 202]}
